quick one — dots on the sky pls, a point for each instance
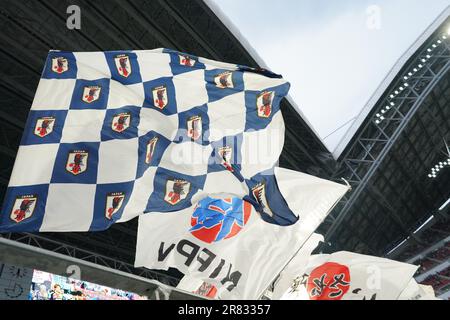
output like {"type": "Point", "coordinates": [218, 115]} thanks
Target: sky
{"type": "Point", "coordinates": [335, 53]}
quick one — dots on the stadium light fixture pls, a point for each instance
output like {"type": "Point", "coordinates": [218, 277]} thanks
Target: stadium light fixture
{"type": "Point", "coordinates": [441, 165]}
{"type": "Point", "coordinates": [424, 224]}
{"type": "Point", "coordinates": [444, 205]}
{"type": "Point", "coordinates": [398, 246]}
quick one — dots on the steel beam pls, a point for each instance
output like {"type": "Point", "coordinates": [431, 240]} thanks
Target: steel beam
{"type": "Point", "coordinates": [28, 256]}
{"type": "Point", "coordinates": [386, 149]}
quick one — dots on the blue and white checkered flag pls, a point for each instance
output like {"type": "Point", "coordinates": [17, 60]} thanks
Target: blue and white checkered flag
{"type": "Point", "coordinates": [112, 135]}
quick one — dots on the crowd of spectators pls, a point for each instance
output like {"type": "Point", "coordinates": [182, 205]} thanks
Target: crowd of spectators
{"type": "Point", "coordinates": [430, 236]}
{"type": "Point", "coordinates": [440, 254]}
{"type": "Point", "coordinates": [445, 272]}
{"type": "Point", "coordinates": [443, 226]}
{"type": "Point", "coordinates": [410, 251]}
{"type": "Point", "coordinates": [424, 265]}
{"type": "Point", "coordinates": [46, 286]}
{"type": "Point", "coordinates": [436, 281]}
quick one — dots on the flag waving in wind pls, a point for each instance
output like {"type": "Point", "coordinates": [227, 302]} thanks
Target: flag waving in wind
{"type": "Point", "coordinates": [187, 144]}
{"type": "Point", "coordinates": [223, 242]}
{"type": "Point", "coordinates": [350, 276]}
{"type": "Point", "coordinates": [112, 135]}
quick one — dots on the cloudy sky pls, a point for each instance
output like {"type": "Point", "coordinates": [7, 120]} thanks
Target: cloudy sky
{"type": "Point", "coordinates": [335, 53]}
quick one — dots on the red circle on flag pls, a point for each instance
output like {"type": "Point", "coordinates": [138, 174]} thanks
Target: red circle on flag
{"type": "Point", "coordinates": [330, 281]}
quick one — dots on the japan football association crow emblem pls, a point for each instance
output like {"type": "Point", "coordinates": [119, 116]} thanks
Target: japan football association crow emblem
{"type": "Point", "coordinates": [176, 191]}
{"type": "Point", "coordinates": [264, 104]}
{"type": "Point", "coordinates": [114, 201]}
{"type": "Point", "coordinates": [151, 146]}
{"type": "Point", "coordinates": [121, 122]}
{"type": "Point", "coordinates": [23, 208]}
{"type": "Point", "coordinates": [194, 128]}
{"type": "Point", "coordinates": [224, 80]}
{"type": "Point", "coordinates": [160, 99]}
{"type": "Point", "coordinates": [77, 161]}
{"type": "Point", "coordinates": [123, 65]}
{"type": "Point", "coordinates": [91, 94]}
{"type": "Point", "coordinates": [225, 155]}
{"type": "Point", "coordinates": [186, 60]}
{"type": "Point", "coordinates": [60, 65]}
{"type": "Point", "coordinates": [259, 193]}
{"type": "Point", "coordinates": [44, 126]}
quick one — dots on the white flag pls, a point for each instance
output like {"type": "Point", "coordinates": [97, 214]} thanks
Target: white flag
{"type": "Point", "coordinates": [350, 276]}
{"type": "Point", "coordinates": [415, 291]}
{"type": "Point", "coordinates": [292, 270]}
{"type": "Point", "coordinates": [241, 253]}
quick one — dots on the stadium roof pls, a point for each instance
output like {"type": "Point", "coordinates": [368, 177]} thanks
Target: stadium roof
{"type": "Point", "coordinates": [410, 52]}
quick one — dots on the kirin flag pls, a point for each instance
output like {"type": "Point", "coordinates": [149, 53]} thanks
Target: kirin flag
{"type": "Point", "coordinates": [228, 250]}
{"type": "Point", "coordinates": [112, 135]}
{"type": "Point", "coordinates": [350, 276]}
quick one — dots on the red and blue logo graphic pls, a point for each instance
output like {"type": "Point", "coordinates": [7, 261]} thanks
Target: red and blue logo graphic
{"type": "Point", "coordinates": [214, 220]}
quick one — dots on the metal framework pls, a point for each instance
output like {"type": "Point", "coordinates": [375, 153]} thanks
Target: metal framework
{"type": "Point", "coordinates": [28, 252]}
{"type": "Point", "coordinates": [88, 256]}
{"type": "Point", "coordinates": [389, 158]}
